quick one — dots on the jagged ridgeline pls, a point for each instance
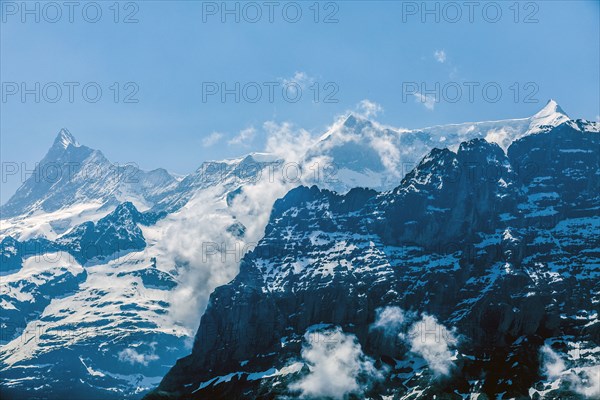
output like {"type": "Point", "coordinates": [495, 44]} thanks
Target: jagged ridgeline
{"type": "Point", "coordinates": [105, 273]}
{"type": "Point", "coordinates": [478, 274]}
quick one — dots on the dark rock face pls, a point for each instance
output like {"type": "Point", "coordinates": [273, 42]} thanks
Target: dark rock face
{"type": "Point", "coordinates": [503, 248]}
{"type": "Point", "coordinates": [116, 233]}
{"type": "Point", "coordinates": [10, 255]}
{"type": "Point", "coordinates": [33, 296]}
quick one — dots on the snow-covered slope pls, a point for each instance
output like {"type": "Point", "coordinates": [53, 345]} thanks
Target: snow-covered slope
{"type": "Point", "coordinates": [149, 274]}
{"type": "Point", "coordinates": [361, 152]}
{"type": "Point", "coordinates": [476, 277]}
{"type": "Point", "coordinates": [73, 184]}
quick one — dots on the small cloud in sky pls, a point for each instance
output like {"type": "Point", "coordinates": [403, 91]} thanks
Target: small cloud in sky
{"type": "Point", "coordinates": [212, 139]}
{"type": "Point", "coordinates": [368, 108]}
{"type": "Point", "coordinates": [300, 78]}
{"type": "Point", "coordinates": [454, 73]}
{"type": "Point", "coordinates": [427, 101]}
{"type": "Point", "coordinates": [286, 140]}
{"type": "Point", "coordinates": [440, 56]}
{"type": "Point", "coordinates": [298, 82]}
{"type": "Point", "coordinates": [244, 137]}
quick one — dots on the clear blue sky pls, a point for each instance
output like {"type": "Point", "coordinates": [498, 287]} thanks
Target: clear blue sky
{"type": "Point", "coordinates": [372, 49]}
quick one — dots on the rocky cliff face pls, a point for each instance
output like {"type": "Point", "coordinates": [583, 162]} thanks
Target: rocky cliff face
{"type": "Point", "coordinates": [500, 251]}
{"type": "Point", "coordinates": [115, 234]}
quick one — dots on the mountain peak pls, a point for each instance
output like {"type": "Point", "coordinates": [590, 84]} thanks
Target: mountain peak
{"type": "Point", "coordinates": [551, 108]}
{"type": "Point", "coordinates": [350, 121]}
{"type": "Point", "coordinates": [65, 139]}
{"type": "Point", "coordinates": [353, 120]}
{"type": "Point", "coordinates": [551, 115]}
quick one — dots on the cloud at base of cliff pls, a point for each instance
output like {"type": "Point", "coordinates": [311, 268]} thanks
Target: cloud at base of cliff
{"type": "Point", "coordinates": [423, 334]}
{"type": "Point", "coordinates": [338, 367]}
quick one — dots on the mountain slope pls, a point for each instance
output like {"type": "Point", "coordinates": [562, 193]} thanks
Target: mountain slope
{"type": "Point", "coordinates": [73, 179]}
{"type": "Point", "coordinates": [364, 153]}
{"type": "Point", "coordinates": [499, 252]}
{"type": "Point", "coordinates": [73, 183]}
{"type": "Point", "coordinates": [161, 265]}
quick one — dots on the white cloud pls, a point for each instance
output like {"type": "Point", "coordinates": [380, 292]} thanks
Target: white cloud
{"type": "Point", "coordinates": [388, 152]}
{"type": "Point", "coordinates": [133, 357]}
{"type": "Point", "coordinates": [338, 366]}
{"type": "Point", "coordinates": [300, 78]}
{"type": "Point", "coordinates": [432, 341]}
{"type": "Point", "coordinates": [426, 337]}
{"type": "Point", "coordinates": [427, 101]}
{"type": "Point", "coordinates": [299, 81]}
{"type": "Point", "coordinates": [244, 137]}
{"type": "Point", "coordinates": [368, 109]}
{"type": "Point", "coordinates": [583, 380]}
{"type": "Point", "coordinates": [553, 365]}
{"type": "Point", "coordinates": [440, 56]}
{"type": "Point", "coordinates": [454, 75]}
{"type": "Point", "coordinates": [212, 139]}
{"type": "Point", "coordinates": [286, 141]}
{"type": "Point", "coordinates": [196, 239]}
{"type": "Point", "coordinates": [389, 319]}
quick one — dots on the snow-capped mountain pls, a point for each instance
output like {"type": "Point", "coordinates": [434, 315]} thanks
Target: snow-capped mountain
{"type": "Point", "coordinates": [73, 184]}
{"type": "Point", "coordinates": [131, 265]}
{"type": "Point", "coordinates": [118, 331]}
{"type": "Point", "coordinates": [476, 276]}
{"type": "Point", "coordinates": [243, 170]}
{"type": "Point", "coordinates": [364, 153]}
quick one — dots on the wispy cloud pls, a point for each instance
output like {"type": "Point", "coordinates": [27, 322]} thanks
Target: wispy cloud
{"type": "Point", "coordinates": [287, 141]}
{"type": "Point", "coordinates": [389, 319]}
{"type": "Point", "coordinates": [244, 137]}
{"type": "Point", "coordinates": [427, 101]}
{"type": "Point", "coordinates": [368, 108]}
{"type": "Point", "coordinates": [298, 82]}
{"type": "Point", "coordinates": [432, 341]}
{"type": "Point", "coordinates": [212, 139]}
{"type": "Point", "coordinates": [584, 382]}
{"type": "Point", "coordinates": [440, 56]}
{"type": "Point", "coordinates": [132, 357]}
{"type": "Point", "coordinates": [300, 78]}
{"type": "Point", "coordinates": [426, 337]}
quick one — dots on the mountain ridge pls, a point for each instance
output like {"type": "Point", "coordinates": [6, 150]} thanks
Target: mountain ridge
{"type": "Point", "coordinates": [502, 277]}
{"type": "Point", "coordinates": [174, 254]}
{"type": "Point", "coordinates": [70, 162]}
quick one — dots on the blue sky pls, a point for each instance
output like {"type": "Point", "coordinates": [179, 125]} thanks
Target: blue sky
{"type": "Point", "coordinates": [375, 50]}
